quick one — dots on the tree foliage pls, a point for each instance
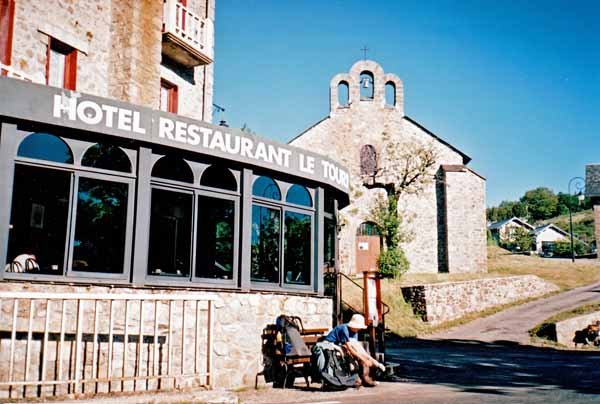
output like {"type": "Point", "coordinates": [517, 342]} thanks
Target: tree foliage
{"type": "Point", "coordinates": [538, 204]}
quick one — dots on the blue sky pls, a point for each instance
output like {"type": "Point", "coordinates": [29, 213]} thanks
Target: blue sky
{"type": "Point", "coordinates": [514, 84]}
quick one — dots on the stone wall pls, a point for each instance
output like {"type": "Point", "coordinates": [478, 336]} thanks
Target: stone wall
{"type": "Point", "coordinates": [465, 220]}
{"type": "Point", "coordinates": [238, 323]}
{"type": "Point", "coordinates": [341, 135]}
{"type": "Point", "coordinates": [440, 302]}
{"type": "Point", "coordinates": [84, 25]}
{"type": "Point", "coordinates": [119, 46]}
{"type": "Point", "coordinates": [565, 330]}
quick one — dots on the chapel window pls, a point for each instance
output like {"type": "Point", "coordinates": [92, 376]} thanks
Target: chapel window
{"type": "Point", "coordinates": [390, 94]}
{"type": "Point", "coordinates": [343, 92]}
{"type": "Point", "coordinates": [368, 160]}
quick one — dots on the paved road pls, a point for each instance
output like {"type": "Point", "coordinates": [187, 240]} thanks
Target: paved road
{"type": "Point", "coordinates": [488, 360]}
{"type": "Point", "coordinates": [513, 324]}
{"type": "Point", "coordinates": [460, 371]}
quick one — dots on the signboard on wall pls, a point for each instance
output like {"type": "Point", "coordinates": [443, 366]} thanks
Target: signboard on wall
{"type": "Point", "coordinates": [75, 110]}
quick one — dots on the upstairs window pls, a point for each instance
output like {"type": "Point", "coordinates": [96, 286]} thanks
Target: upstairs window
{"type": "Point", "coordinates": [168, 96]}
{"type": "Point", "coordinates": [61, 67]}
{"type": "Point", "coordinates": [7, 13]}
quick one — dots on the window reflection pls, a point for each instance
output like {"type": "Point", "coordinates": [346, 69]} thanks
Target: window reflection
{"type": "Point", "coordinates": [100, 226]}
{"type": "Point", "coordinates": [297, 248]}
{"type": "Point", "coordinates": [214, 246]}
{"type": "Point", "coordinates": [108, 157]}
{"type": "Point", "coordinates": [170, 233]}
{"type": "Point", "coordinates": [267, 188]}
{"type": "Point", "coordinates": [43, 146]}
{"type": "Point", "coordinates": [299, 195]}
{"type": "Point", "coordinates": [38, 225]}
{"type": "Point", "coordinates": [219, 177]}
{"type": "Point", "coordinates": [172, 168]}
{"type": "Point", "coordinates": [265, 244]}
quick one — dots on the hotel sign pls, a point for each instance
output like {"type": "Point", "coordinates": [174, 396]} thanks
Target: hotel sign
{"type": "Point", "coordinates": [76, 110]}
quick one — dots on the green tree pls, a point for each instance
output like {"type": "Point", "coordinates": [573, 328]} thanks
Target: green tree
{"type": "Point", "coordinates": [542, 203]}
{"type": "Point", "coordinates": [519, 209]}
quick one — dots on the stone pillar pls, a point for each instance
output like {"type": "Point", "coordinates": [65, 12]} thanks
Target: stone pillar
{"type": "Point", "coordinates": [142, 216]}
{"type": "Point", "coordinates": [8, 149]}
{"type": "Point", "coordinates": [246, 236]}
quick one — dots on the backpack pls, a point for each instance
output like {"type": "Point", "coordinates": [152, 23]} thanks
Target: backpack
{"type": "Point", "coordinates": [337, 372]}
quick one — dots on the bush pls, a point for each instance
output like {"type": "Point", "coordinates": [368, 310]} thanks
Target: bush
{"type": "Point", "coordinates": [392, 263]}
{"type": "Point", "coordinates": [563, 248]}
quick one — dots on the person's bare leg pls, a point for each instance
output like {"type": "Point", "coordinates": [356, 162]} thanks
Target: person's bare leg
{"type": "Point", "coordinates": [357, 350]}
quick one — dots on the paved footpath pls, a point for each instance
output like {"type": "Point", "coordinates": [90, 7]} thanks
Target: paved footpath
{"type": "Point", "coordinates": [513, 324]}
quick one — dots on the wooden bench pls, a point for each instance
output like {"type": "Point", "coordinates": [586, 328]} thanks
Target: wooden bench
{"type": "Point", "coordinates": [284, 368]}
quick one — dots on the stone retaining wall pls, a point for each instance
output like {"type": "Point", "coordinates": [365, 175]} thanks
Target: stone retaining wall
{"type": "Point", "coordinates": [565, 330]}
{"type": "Point", "coordinates": [440, 302]}
{"type": "Point", "coordinates": [239, 319]}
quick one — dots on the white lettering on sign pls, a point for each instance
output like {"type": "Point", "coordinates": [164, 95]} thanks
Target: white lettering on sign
{"type": "Point", "coordinates": [194, 135]}
{"type": "Point", "coordinates": [92, 113]}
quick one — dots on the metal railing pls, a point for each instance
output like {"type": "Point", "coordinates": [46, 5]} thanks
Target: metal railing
{"type": "Point", "coordinates": [189, 27]}
{"type": "Point", "coordinates": [62, 343]}
{"type": "Point", "coordinates": [10, 71]}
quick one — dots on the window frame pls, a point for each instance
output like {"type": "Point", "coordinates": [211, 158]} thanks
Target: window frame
{"type": "Point", "coordinates": [76, 170]}
{"type": "Point", "coordinates": [282, 206]}
{"type": "Point", "coordinates": [172, 96]}
{"type": "Point", "coordinates": [70, 70]}
{"type": "Point", "coordinates": [197, 190]}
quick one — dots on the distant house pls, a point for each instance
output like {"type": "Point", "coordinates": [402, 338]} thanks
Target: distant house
{"type": "Point", "coordinates": [504, 230]}
{"type": "Point", "coordinates": [547, 235]}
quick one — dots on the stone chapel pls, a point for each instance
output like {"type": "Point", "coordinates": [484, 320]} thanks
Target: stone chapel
{"type": "Point", "coordinates": [446, 221]}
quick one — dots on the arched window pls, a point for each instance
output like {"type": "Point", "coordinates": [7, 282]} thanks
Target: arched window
{"type": "Point", "coordinates": [265, 187]}
{"type": "Point", "coordinates": [390, 94]}
{"type": "Point", "coordinates": [108, 157]}
{"type": "Point", "coordinates": [368, 229]}
{"type": "Point", "coordinates": [218, 177]}
{"type": "Point", "coordinates": [367, 86]}
{"type": "Point", "coordinates": [44, 146]}
{"type": "Point", "coordinates": [299, 195]}
{"type": "Point", "coordinates": [343, 92]}
{"type": "Point", "coordinates": [368, 160]}
{"type": "Point", "coordinates": [172, 168]}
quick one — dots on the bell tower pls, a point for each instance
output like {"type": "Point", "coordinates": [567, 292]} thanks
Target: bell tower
{"type": "Point", "coordinates": [366, 85]}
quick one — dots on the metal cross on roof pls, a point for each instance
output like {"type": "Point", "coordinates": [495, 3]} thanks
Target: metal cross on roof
{"type": "Point", "coordinates": [364, 50]}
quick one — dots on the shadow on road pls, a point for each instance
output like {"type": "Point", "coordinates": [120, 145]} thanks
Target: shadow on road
{"type": "Point", "coordinates": [494, 368]}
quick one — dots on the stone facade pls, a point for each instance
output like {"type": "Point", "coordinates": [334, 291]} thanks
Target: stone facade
{"type": "Point", "coordinates": [238, 323]}
{"type": "Point", "coordinates": [118, 47]}
{"type": "Point", "coordinates": [440, 302]}
{"type": "Point", "coordinates": [565, 330]}
{"type": "Point", "coordinates": [447, 220]}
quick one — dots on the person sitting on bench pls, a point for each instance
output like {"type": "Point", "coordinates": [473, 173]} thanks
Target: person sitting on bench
{"type": "Point", "coordinates": [346, 336]}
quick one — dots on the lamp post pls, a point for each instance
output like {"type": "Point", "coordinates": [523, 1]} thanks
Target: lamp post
{"type": "Point", "coordinates": [578, 184]}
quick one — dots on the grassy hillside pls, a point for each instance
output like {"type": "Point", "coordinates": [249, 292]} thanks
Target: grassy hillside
{"type": "Point", "coordinates": [402, 321]}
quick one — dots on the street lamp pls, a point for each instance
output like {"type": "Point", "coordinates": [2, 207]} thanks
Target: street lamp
{"type": "Point", "coordinates": [578, 184]}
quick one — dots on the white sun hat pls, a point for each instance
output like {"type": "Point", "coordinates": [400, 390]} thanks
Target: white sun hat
{"type": "Point", "coordinates": [357, 321]}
